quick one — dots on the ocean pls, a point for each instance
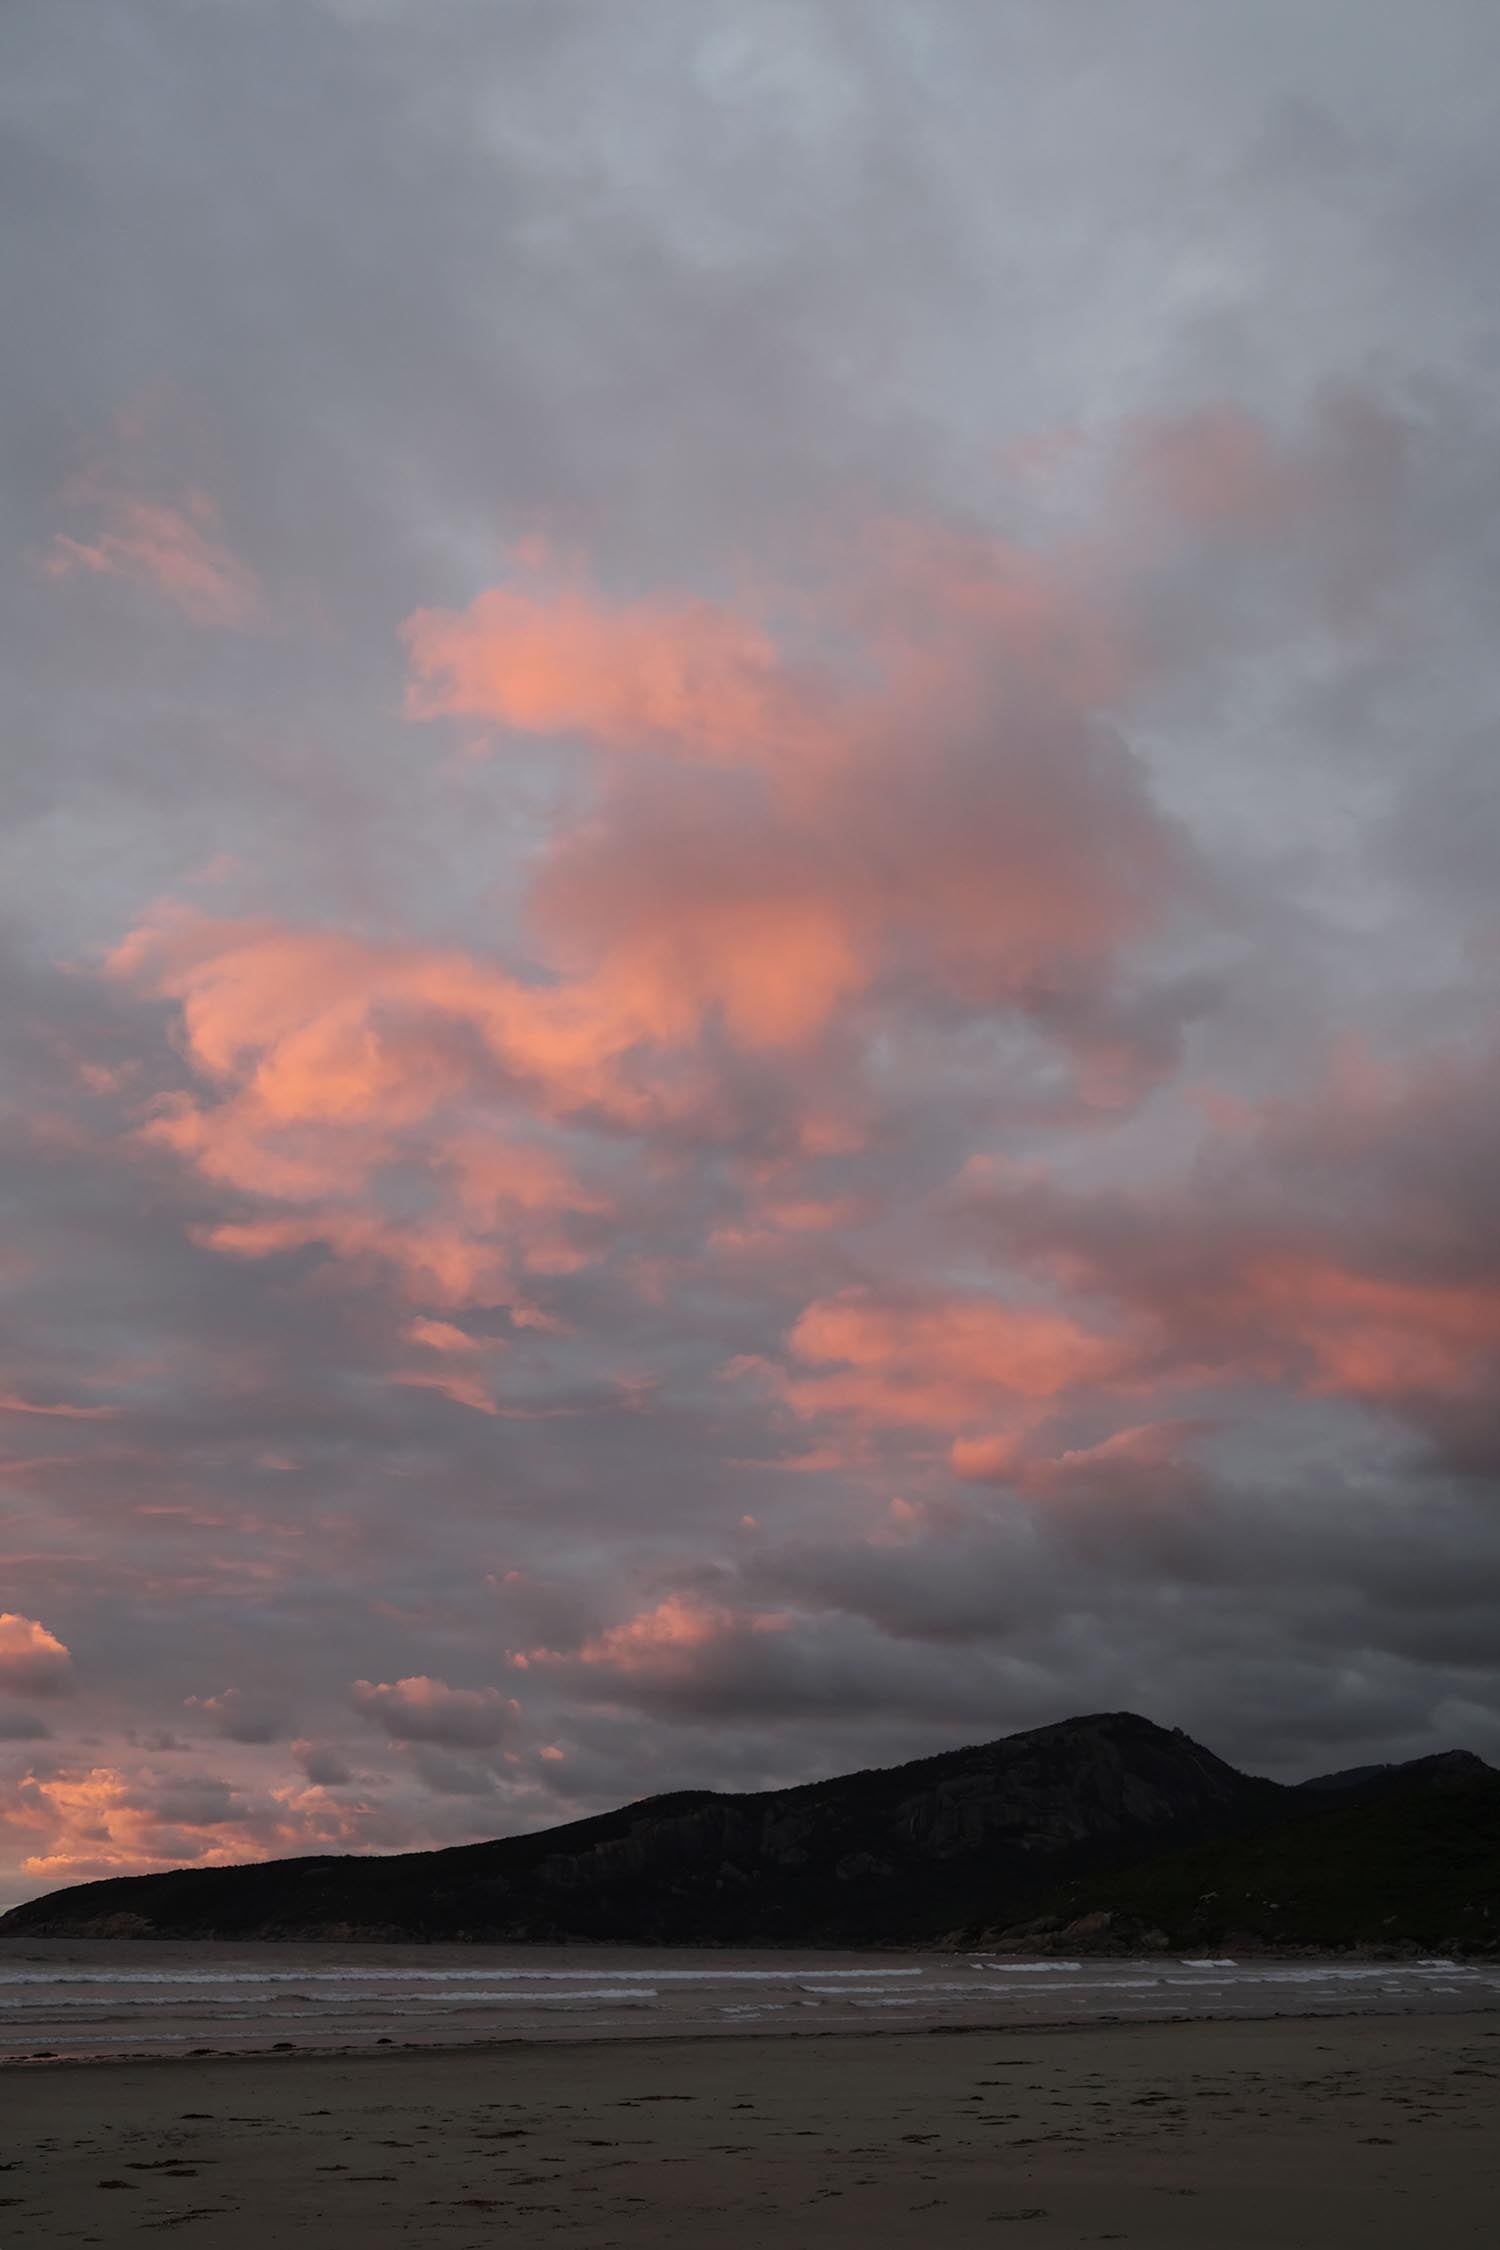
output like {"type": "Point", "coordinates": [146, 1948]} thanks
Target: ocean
{"type": "Point", "coordinates": [102, 1998]}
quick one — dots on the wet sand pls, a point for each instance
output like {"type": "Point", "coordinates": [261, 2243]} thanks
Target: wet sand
{"type": "Point", "coordinates": [1350, 2134]}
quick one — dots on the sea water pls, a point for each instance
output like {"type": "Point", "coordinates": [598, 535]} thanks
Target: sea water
{"type": "Point", "coordinates": [97, 1998]}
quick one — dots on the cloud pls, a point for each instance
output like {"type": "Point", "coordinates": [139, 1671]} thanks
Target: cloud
{"type": "Point", "coordinates": [239, 1717]}
{"type": "Point", "coordinates": [685, 676]}
{"type": "Point", "coordinates": [657, 1642]}
{"type": "Point", "coordinates": [337, 1063]}
{"type": "Point", "coordinates": [701, 1665]}
{"type": "Point", "coordinates": [1343, 1246]}
{"type": "Point", "coordinates": [170, 542]}
{"type": "Point", "coordinates": [441, 1336]}
{"type": "Point", "coordinates": [971, 829]}
{"type": "Point", "coordinates": [942, 1360]}
{"type": "Point", "coordinates": [63, 1410]}
{"type": "Point", "coordinates": [32, 1660]}
{"type": "Point", "coordinates": [981, 842]}
{"type": "Point", "coordinates": [451, 1777]}
{"type": "Point", "coordinates": [323, 1766]}
{"type": "Point", "coordinates": [172, 550]}
{"type": "Point", "coordinates": [774, 978]}
{"type": "Point", "coordinates": [426, 1710]}
{"type": "Point", "coordinates": [1142, 1466]}
{"type": "Point", "coordinates": [22, 1726]}
{"type": "Point", "coordinates": [91, 1822]}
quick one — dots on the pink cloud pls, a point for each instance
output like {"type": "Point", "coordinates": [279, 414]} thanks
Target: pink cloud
{"type": "Point", "coordinates": [464, 1385]}
{"type": "Point", "coordinates": [62, 1410]}
{"type": "Point", "coordinates": [142, 520]}
{"type": "Point", "coordinates": [1374, 1335]}
{"type": "Point", "coordinates": [1334, 1259]}
{"type": "Point", "coordinates": [967, 837]}
{"type": "Point", "coordinates": [941, 1362]}
{"type": "Point", "coordinates": [432, 1262]}
{"type": "Point", "coordinates": [450, 1383]}
{"type": "Point", "coordinates": [32, 1660]}
{"type": "Point", "coordinates": [327, 1063]}
{"type": "Point", "coordinates": [555, 658]}
{"type": "Point", "coordinates": [675, 1625]}
{"type": "Point", "coordinates": [166, 549]}
{"type": "Point", "coordinates": [441, 1336]}
{"type": "Point", "coordinates": [91, 1822]}
{"type": "Point", "coordinates": [937, 874]}
{"type": "Point", "coordinates": [1141, 1463]}
{"type": "Point", "coordinates": [662, 1647]}
{"type": "Point", "coordinates": [168, 540]}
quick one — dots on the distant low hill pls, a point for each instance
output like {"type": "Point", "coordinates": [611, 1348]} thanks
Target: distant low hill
{"type": "Point", "coordinates": [1106, 1833]}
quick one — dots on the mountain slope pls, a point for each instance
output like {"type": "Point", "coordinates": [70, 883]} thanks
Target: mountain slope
{"type": "Point", "coordinates": [902, 1853]}
{"type": "Point", "coordinates": [1408, 1857]}
{"type": "Point", "coordinates": [1106, 1831]}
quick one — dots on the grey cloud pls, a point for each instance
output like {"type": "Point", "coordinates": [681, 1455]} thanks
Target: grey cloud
{"type": "Point", "coordinates": [239, 1717]}
{"type": "Point", "coordinates": [22, 1726]}
{"type": "Point", "coordinates": [451, 1777]}
{"type": "Point", "coordinates": [430, 1711]}
{"type": "Point", "coordinates": [197, 1801]}
{"type": "Point", "coordinates": [324, 1768]}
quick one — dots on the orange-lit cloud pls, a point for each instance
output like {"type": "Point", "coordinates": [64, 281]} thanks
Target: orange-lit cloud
{"type": "Point", "coordinates": [1143, 1461]}
{"type": "Point", "coordinates": [941, 1363]}
{"type": "Point", "coordinates": [92, 1822]}
{"type": "Point", "coordinates": [32, 1660]}
{"type": "Point", "coordinates": [327, 1063]}
{"type": "Point", "coordinates": [465, 1385]}
{"type": "Point", "coordinates": [441, 1336]}
{"type": "Point", "coordinates": [1368, 1335]}
{"type": "Point", "coordinates": [555, 658]}
{"type": "Point", "coordinates": [1330, 1262]}
{"type": "Point", "coordinates": [663, 1644]}
{"type": "Point", "coordinates": [673, 1627]}
{"type": "Point", "coordinates": [978, 843]}
{"type": "Point", "coordinates": [983, 839]}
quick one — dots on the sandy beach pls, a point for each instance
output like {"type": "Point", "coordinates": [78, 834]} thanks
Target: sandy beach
{"type": "Point", "coordinates": [1373, 2133]}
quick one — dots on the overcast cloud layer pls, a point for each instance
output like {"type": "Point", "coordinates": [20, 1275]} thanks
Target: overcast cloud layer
{"type": "Point", "coordinates": [751, 838]}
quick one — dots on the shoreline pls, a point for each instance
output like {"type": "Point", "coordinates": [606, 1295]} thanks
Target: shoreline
{"type": "Point", "coordinates": [282, 2054]}
{"type": "Point", "coordinates": [98, 2004]}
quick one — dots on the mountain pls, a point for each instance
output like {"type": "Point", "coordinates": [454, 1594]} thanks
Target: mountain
{"type": "Point", "coordinates": [1401, 1857]}
{"type": "Point", "coordinates": [1106, 1832]}
{"type": "Point", "coordinates": [1446, 1763]}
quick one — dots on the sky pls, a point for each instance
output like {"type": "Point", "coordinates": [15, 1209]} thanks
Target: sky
{"type": "Point", "coordinates": [748, 899]}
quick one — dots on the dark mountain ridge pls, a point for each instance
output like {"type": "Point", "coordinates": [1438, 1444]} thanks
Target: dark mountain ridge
{"type": "Point", "coordinates": [1090, 1833]}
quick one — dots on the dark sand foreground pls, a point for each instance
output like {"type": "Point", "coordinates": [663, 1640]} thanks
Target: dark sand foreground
{"type": "Point", "coordinates": [1376, 2134]}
